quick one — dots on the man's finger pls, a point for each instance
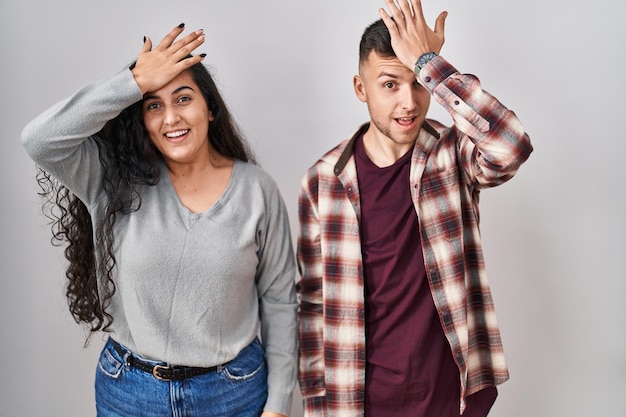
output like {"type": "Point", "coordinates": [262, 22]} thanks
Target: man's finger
{"type": "Point", "coordinates": [405, 8]}
{"type": "Point", "coordinates": [440, 23]}
{"type": "Point", "coordinates": [387, 20]}
{"type": "Point", "coordinates": [396, 13]}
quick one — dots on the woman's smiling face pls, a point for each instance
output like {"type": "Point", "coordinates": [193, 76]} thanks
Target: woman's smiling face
{"type": "Point", "coordinates": [177, 120]}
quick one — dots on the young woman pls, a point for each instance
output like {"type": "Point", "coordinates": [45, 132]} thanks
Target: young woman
{"type": "Point", "coordinates": [178, 245]}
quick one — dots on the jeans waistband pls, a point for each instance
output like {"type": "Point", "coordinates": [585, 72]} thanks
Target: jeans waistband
{"type": "Point", "coordinates": [160, 372]}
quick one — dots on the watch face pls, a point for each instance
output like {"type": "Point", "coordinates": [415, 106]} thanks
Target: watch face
{"type": "Point", "coordinates": [425, 58]}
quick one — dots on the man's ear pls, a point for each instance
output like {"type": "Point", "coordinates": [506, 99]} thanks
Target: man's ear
{"type": "Point", "coordinates": [359, 88]}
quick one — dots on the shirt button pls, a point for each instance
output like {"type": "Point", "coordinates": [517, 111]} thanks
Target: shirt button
{"type": "Point", "coordinates": [427, 79]}
{"type": "Point", "coordinates": [456, 102]}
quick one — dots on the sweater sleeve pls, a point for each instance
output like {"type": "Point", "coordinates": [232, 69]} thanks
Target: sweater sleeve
{"type": "Point", "coordinates": [492, 142]}
{"type": "Point", "coordinates": [59, 140]}
{"type": "Point", "coordinates": [278, 304]}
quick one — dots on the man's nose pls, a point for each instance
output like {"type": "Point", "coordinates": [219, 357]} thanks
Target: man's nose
{"type": "Point", "coordinates": [409, 97]}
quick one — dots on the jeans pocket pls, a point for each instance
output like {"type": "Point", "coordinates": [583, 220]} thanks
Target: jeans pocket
{"type": "Point", "coordinates": [249, 362]}
{"type": "Point", "coordinates": [109, 364]}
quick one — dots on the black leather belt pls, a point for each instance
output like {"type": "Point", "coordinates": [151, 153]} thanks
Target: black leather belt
{"type": "Point", "coordinates": [160, 372]}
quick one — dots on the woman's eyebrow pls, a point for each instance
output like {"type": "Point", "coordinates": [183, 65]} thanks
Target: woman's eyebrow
{"type": "Point", "coordinates": [178, 90]}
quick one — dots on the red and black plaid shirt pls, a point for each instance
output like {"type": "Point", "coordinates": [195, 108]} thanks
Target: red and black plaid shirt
{"type": "Point", "coordinates": [449, 167]}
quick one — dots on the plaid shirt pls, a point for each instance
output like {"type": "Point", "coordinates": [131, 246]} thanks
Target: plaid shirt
{"type": "Point", "coordinates": [449, 166]}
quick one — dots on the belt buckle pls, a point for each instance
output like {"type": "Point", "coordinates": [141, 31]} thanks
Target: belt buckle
{"type": "Point", "coordinates": [155, 372]}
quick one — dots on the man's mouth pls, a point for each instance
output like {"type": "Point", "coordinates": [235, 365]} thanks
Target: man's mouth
{"type": "Point", "coordinates": [405, 121]}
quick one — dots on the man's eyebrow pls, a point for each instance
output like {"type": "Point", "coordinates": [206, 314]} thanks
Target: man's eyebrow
{"type": "Point", "coordinates": [178, 90]}
{"type": "Point", "coordinates": [388, 75]}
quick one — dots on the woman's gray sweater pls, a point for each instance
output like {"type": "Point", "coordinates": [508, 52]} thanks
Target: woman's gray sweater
{"type": "Point", "coordinates": [191, 288]}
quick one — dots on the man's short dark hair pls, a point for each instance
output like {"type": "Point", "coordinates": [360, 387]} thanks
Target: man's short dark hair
{"type": "Point", "coordinates": [376, 38]}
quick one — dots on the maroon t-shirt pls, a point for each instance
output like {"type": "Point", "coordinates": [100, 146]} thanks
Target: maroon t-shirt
{"type": "Point", "coordinates": [410, 370]}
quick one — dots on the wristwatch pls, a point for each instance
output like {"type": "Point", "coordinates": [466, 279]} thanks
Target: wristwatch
{"type": "Point", "coordinates": [423, 60]}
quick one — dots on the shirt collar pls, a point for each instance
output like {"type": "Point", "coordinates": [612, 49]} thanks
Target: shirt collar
{"type": "Point", "coordinates": [349, 149]}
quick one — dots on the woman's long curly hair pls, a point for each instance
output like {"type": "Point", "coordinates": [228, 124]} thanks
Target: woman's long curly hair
{"type": "Point", "coordinates": [130, 161]}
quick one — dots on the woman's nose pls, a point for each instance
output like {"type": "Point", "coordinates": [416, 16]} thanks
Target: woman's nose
{"type": "Point", "coordinates": [171, 116]}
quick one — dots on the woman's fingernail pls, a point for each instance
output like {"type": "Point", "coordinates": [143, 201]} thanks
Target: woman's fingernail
{"type": "Point", "coordinates": [182, 25]}
{"type": "Point", "coordinates": [144, 39]}
{"type": "Point", "coordinates": [202, 55]}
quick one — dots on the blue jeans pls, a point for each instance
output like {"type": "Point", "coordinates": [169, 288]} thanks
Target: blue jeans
{"type": "Point", "coordinates": [237, 389]}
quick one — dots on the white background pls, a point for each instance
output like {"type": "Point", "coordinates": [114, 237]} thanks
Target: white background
{"type": "Point", "coordinates": [554, 236]}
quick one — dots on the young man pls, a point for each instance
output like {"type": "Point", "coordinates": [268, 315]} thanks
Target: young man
{"type": "Point", "coordinates": [396, 314]}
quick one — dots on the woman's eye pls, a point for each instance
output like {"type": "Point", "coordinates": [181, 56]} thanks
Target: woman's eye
{"type": "Point", "coordinates": [184, 99]}
{"type": "Point", "coordinates": [152, 106]}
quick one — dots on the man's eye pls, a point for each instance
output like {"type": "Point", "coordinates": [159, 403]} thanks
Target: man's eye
{"type": "Point", "coordinates": [389, 85]}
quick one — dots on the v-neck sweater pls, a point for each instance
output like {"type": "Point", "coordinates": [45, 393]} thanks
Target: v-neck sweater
{"type": "Point", "coordinates": [191, 288]}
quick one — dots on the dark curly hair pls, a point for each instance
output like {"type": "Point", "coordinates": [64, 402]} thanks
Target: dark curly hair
{"type": "Point", "coordinates": [130, 161]}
